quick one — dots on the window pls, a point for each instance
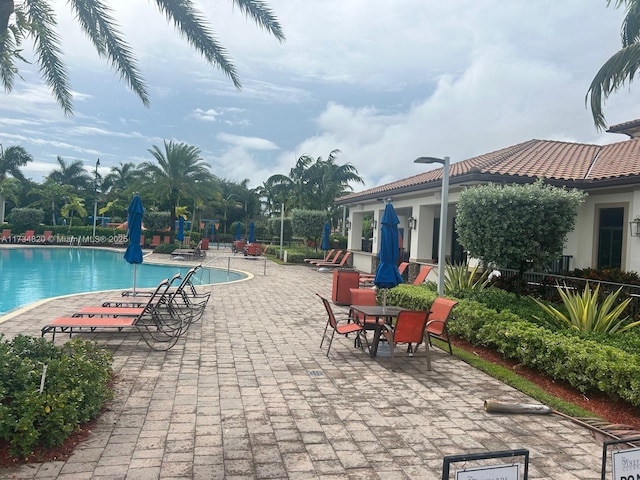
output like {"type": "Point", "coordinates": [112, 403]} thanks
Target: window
{"type": "Point", "coordinates": [610, 231]}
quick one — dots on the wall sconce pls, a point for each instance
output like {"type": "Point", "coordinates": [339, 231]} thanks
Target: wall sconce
{"type": "Point", "coordinates": [413, 223]}
{"type": "Point", "coordinates": [374, 223]}
{"type": "Point", "coordinates": [347, 223]}
{"type": "Point", "coordinates": [634, 227]}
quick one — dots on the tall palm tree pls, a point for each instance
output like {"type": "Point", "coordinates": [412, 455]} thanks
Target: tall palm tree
{"type": "Point", "coordinates": [621, 66]}
{"type": "Point", "coordinates": [71, 173]}
{"type": "Point", "coordinates": [36, 19]}
{"type": "Point", "coordinates": [11, 160]}
{"type": "Point", "coordinates": [180, 170]}
{"type": "Point", "coordinates": [49, 195]}
{"type": "Point", "coordinates": [120, 179]}
{"type": "Point", "coordinates": [74, 205]}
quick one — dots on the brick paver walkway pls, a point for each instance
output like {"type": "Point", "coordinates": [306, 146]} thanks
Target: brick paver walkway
{"type": "Point", "coordinates": [249, 394]}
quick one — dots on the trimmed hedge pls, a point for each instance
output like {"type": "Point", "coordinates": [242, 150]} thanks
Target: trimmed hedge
{"type": "Point", "coordinates": [562, 355]}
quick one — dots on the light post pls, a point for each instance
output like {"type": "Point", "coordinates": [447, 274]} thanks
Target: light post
{"type": "Point", "coordinates": [443, 216]}
{"type": "Point", "coordinates": [95, 203]}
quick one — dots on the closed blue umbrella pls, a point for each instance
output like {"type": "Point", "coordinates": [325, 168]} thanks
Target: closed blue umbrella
{"type": "Point", "coordinates": [180, 234]}
{"type": "Point", "coordinates": [387, 274]}
{"type": "Point", "coordinates": [133, 254]}
{"type": "Point", "coordinates": [238, 231]}
{"type": "Point", "coordinates": [325, 236]}
{"type": "Point", "coordinates": [252, 232]}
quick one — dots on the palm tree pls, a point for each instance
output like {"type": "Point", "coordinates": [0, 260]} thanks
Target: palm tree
{"type": "Point", "coordinates": [120, 179]}
{"type": "Point", "coordinates": [74, 205]}
{"type": "Point", "coordinates": [11, 160]}
{"type": "Point", "coordinates": [48, 195]}
{"type": "Point", "coordinates": [180, 170]}
{"type": "Point", "coordinates": [36, 19]}
{"type": "Point", "coordinates": [71, 173]}
{"type": "Point", "coordinates": [621, 66]}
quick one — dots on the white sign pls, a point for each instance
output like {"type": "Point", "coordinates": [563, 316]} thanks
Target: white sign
{"type": "Point", "coordinates": [494, 472]}
{"type": "Point", "coordinates": [626, 464]}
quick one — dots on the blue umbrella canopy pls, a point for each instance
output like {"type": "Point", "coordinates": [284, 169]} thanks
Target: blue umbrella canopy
{"type": "Point", "coordinates": [238, 231]}
{"type": "Point", "coordinates": [252, 232]}
{"type": "Point", "coordinates": [180, 234]}
{"type": "Point", "coordinates": [325, 236]}
{"type": "Point", "coordinates": [134, 225]}
{"type": "Point", "coordinates": [387, 274]}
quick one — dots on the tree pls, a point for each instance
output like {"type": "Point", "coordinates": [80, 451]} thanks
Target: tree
{"type": "Point", "coordinates": [516, 226]}
{"type": "Point", "coordinates": [49, 195]}
{"type": "Point", "coordinates": [120, 179]}
{"type": "Point", "coordinates": [36, 19]}
{"type": "Point", "coordinates": [11, 160]}
{"type": "Point", "coordinates": [74, 205]}
{"type": "Point", "coordinates": [621, 67]}
{"type": "Point", "coordinates": [308, 224]}
{"type": "Point", "coordinates": [71, 173]}
{"type": "Point", "coordinates": [180, 171]}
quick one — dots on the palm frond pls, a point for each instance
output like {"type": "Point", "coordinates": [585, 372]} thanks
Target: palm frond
{"type": "Point", "coordinates": [263, 16]}
{"type": "Point", "coordinates": [96, 21]}
{"type": "Point", "coordinates": [48, 52]}
{"type": "Point", "coordinates": [619, 69]}
{"type": "Point", "coordinates": [191, 24]}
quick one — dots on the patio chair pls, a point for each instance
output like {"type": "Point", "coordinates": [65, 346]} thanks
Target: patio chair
{"type": "Point", "coordinates": [363, 296]}
{"type": "Point", "coordinates": [28, 236]}
{"type": "Point", "coordinates": [344, 329]}
{"type": "Point", "coordinates": [437, 324]}
{"type": "Point", "coordinates": [6, 235]}
{"type": "Point", "coordinates": [422, 275]}
{"type": "Point", "coordinates": [368, 278]}
{"type": "Point", "coordinates": [409, 328]}
{"type": "Point", "coordinates": [342, 262]}
{"type": "Point", "coordinates": [166, 239]}
{"type": "Point", "coordinates": [333, 259]}
{"type": "Point", "coordinates": [155, 241]}
{"type": "Point", "coordinates": [47, 236]}
{"type": "Point", "coordinates": [325, 259]}
{"type": "Point", "coordinates": [142, 240]}
{"type": "Point", "coordinates": [159, 330]}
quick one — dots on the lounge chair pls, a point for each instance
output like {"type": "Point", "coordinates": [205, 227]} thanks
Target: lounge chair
{"type": "Point", "coordinates": [47, 236]}
{"type": "Point", "coordinates": [422, 275]}
{"type": "Point", "coordinates": [342, 262]}
{"type": "Point", "coordinates": [333, 259]}
{"type": "Point", "coordinates": [167, 239]}
{"type": "Point", "coordinates": [28, 236]}
{"type": "Point", "coordinates": [142, 240]}
{"type": "Point", "coordinates": [189, 253]}
{"type": "Point", "coordinates": [155, 241]}
{"type": "Point", "coordinates": [368, 278]}
{"type": "Point", "coordinates": [6, 235]}
{"type": "Point", "coordinates": [326, 258]}
{"type": "Point", "coordinates": [158, 328]}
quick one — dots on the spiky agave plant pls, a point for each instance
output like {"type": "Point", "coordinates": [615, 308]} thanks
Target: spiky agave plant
{"type": "Point", "coordinates": [586, 314]}
{"type": "Point", "coordinates": [459, 277]}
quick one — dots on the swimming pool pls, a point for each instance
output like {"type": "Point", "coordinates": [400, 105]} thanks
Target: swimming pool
{"type": "Point", "coordinates": [31, 274]}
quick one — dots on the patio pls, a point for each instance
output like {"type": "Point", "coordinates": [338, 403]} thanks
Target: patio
{"type": "Point", "coordinates": [249, 394]}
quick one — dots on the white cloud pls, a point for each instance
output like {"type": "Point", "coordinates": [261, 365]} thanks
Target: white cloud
{"type": "Point", "coordinates": [248, 143]}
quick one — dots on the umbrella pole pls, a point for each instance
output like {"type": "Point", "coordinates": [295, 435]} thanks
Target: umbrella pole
{"type": "Point", "coordinates": [384, 299]}
{"type": "Point", "coordinates": [134, 279]}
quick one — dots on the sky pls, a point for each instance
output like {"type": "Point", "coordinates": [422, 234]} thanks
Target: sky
{"type": "Point", "coordinates": [383, 82]}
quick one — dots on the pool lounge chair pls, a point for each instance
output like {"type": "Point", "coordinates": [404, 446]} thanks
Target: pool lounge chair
{"type": "Point", "coordinates": [342, 262]}
{"type": "Point", "coordinates": [159, 329]}
{"type": "Point", "coordinates": [6, 235]}
{"type": "Point", "coordinates": [155, 241]}
{"type": "Point", "coordinates": [333, 259]}
{"type": "Point", "coordinates": [28, 236]}
{"type": "Point", "coordinates": [368, 278]}
{"type": "Point", "coordinates": [326, 258]}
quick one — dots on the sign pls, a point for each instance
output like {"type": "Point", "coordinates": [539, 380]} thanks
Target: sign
{"type": "Point", "coordinates": [494, 472]}
{"type": "Point", "coordinates": [626, 464]}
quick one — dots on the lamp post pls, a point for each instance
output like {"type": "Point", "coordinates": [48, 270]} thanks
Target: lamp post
{"type": "Point", "coordinates": [95, 203]}
{"type": "Point", "coordinates": [443, 216]}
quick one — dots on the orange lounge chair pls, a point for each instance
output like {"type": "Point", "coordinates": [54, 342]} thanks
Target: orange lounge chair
{"type": "Point", "coordinates": [142, 240]}
{"type": "Point", "coordinates": [422, 275]}
{"type": "Point", "coordinates": [342, 263]}
{"type": "Point", "coordinates": [6, 235]}
{"type": "Point", "coordinates": [167, 239]}
{"type": "Point", "coordinates": [28, 236]}
{"type": "Point", "coordinates": [47, 236]}
{"type": "Point", "coordinates": [333, 259]}
{"type": "Point", "coordinates": [325, 259]}
{"type": "Point", "coordinates": [155, 241]}
{"type": "Point", "coordinates": [367, 278]}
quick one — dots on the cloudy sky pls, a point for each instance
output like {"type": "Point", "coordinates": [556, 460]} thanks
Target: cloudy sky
{"type": "Point", "coordinates": [384, 82]}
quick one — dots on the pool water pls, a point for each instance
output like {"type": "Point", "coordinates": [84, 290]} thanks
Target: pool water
{"type": "Point", "coordinates": [31, 274]}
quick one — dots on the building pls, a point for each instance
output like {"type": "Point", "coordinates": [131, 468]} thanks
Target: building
{"type": "Point", "coordinates": [604, 234]}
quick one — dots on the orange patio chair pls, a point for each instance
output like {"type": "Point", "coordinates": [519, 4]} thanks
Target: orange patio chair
{"type": "Point", "coordinates": [332, 259]}
{"type": "Point", "coordinates": [167, 239]}
{"type": "Point", "coordinates": [155, 241]}
{"type": "Point", "coordinates": [364, 296]}
{"type": "Point", "coordinates": [368, 278]}
{"type": "Point", "coordinates": [326, 258]}
{"type": "Point", "coordinates": [47, 236]}
{"type": "Point", "coordinates": [142, 240]}
{"type": "Point", "coordinates": [342, 262]}
{"type": "Point", "coordinates": [437, 324]}
{"type": "Point", "coordinates": [422, 275]}
{"type": "Point", "coordinates": [6, 235]}
{"type": "Point", "coordinates": [409, 328]}
{"type": "Point", "coordinates": [28, 236]}
{"type": "Point", "coordinates": [343, 329]}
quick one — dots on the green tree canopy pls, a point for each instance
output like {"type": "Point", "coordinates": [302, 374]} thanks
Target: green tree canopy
{"type": "Point", "coordinates": [21, 19]}
{"type": "Point", "coordinates": [516, 226]}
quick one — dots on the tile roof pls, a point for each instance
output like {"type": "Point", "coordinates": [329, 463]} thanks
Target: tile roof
{"type": "Point", "coordinates": [573, 164]}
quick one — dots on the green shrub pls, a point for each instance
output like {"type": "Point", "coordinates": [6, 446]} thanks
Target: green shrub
{"type": "Point", "coordinates": [26, 217]}
{"type": "Point", "coordinates": [458, 277]}
{"type": "Point", "coordinates": [165, 248]}
{"type": "Point", "coordinates": [76, 387]}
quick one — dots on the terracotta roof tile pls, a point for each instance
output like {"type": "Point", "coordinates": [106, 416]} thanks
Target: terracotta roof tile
{"type": "Point", "coordinates": [554, 160]}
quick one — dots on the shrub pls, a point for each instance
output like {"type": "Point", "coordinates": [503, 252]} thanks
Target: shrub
{"type": "Point", "coordinates": [458, 277]}
{"type": "Point", "coordinates": [587, 314]}
{"type": "Point", "coordinates": [156, 221]}
{"type": "Point", "coordinates": [26, 217]}
{"type": "Point", "coordinates": [76, 386]}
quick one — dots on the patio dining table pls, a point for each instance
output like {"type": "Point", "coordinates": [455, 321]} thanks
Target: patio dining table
{"type": "Point", "coordinates": [383, 315]}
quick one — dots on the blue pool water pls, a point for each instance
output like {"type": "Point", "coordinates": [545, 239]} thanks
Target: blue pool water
{"type": "Point", "coordinates": [30, 274]}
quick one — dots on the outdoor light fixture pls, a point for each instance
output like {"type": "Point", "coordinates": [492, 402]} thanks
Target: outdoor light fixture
{"type": "Point", "coordinates": [347, 224]}
{"type": "Point", "coordinates": [413, 223]}
{"type": "Point", "coordinates": [444, 199]}
{"type": "Point", "coordinates": [374, 223]}
{"type": "Point", "coordinates": [634, 227]}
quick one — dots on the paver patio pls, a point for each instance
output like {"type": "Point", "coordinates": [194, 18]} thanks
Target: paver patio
{"type": "Point", "coordinates": [249, 394]}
